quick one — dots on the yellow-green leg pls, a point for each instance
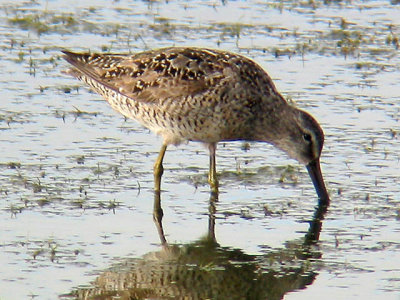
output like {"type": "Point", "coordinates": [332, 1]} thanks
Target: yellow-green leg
{"type": "Point", "coordinates": [158, 169]}
{"type": "Point", "coordinates": [212, 174]}
{"type": "Point", "coordinates": [211, 218]}
{"type": "Point", "coordinates": [158, 215]}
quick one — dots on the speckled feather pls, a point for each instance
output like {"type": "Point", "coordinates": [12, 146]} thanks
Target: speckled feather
{"type": "Point", "coordinates": [199, 95]}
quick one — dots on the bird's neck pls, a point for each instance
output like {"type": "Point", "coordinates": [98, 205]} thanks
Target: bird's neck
{"type": "Point", "coordinates": [271, 123]}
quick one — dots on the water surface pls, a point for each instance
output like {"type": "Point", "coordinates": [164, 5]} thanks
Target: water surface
{"type": "Point", "coordinates": [76, 177]}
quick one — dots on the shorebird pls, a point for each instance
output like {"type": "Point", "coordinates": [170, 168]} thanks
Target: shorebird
{"type": "Point", "coordinates": [204, 95]}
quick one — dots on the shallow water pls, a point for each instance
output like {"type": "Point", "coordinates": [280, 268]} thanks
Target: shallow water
{"type": "Point", "coordinates": [76, 178]}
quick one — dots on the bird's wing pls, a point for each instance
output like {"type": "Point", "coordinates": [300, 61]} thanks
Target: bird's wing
{"type": "Point", "coordinates": [151, 77]}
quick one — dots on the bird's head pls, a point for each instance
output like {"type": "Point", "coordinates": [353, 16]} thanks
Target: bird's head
{"type": "Point", "coordinates": [303, 139]}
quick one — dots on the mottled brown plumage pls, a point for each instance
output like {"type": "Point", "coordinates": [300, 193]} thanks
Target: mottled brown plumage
{"type": "Point", "coordinates": [193, 94]}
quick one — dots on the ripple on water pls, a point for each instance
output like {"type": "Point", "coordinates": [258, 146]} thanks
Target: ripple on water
{"type": "Point", "coordinates": [76, 178]}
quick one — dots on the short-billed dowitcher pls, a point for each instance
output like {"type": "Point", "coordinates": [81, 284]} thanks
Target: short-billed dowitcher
{"type": "Point", "coordinates": [194, 94]}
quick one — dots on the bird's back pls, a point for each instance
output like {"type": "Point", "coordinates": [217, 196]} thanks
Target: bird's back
{"type": "Point", "coordinates": [182, 93]}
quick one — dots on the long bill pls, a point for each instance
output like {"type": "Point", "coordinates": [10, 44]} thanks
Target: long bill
{"type": "Point", "coordinates": [314, 170]}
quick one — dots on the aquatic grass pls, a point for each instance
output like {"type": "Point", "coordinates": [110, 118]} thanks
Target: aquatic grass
{"type": "Point", "coordinates": [21, 56]}
{"type": "Point", "coordinates": [43, 201]}
{"type": "Point", "coordinates": [289, 174]}
{"type": "Point", "coordinates": [379, 51]}
{"type": "Point", "coordinates": [80, 113]}
{"type": "Point", "coordinates": [14, 165]}
{"type": "Point", "coordinates": [80, 160]}
{"type": "Point", "coordinates": [79, 203]}
{"type": "Point", "coordinates": [231, 30]}
{"type": "Point", "coordinates": [67, 89]}
{"type": "Point", "coordinates": [46, 22]}
{"type": "Point", "coordinates": [347, 38]}
{"type": "Point", "coordinates": [67, 20]}
{"type": "Point", "coordinates": [37, 186]}
{"type": "Point", "coordinates": [363, 65]}
{"type": "Point", "coordinates": [30, 22]}
{"type": "Point", "coordinates": [348, 41]}
{"type": "Point", "coordinates": [162, 26]}
{"type": "Point", "coordinates": [392, 39]}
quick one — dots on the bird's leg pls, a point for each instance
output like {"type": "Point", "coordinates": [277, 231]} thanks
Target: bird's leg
{"type": "Point", "coordinates": [212, 174]}
{"type": "Point", "coordinates": [157, 217]}
{"type": "Point", "coordinates": [158, 169]}
{"type": "Point", "coordinates": [211, 217]}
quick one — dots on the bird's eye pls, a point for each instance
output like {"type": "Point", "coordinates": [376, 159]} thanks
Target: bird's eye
{"type": "Point", "coordinates": [307, 137]}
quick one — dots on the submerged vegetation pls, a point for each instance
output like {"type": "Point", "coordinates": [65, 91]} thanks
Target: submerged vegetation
{"type": "Point", "coordinates": [341, 37]}
{"type": "Point", "coordinates": [68, 159]}
{"type": "Point", "coordinates": [336, 35]}
{"type": "Point", "coordinates": [46, 22]}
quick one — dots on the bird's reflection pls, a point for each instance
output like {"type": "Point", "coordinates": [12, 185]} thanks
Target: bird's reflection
{"type": "Point", "coordinates": [206, 270]}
